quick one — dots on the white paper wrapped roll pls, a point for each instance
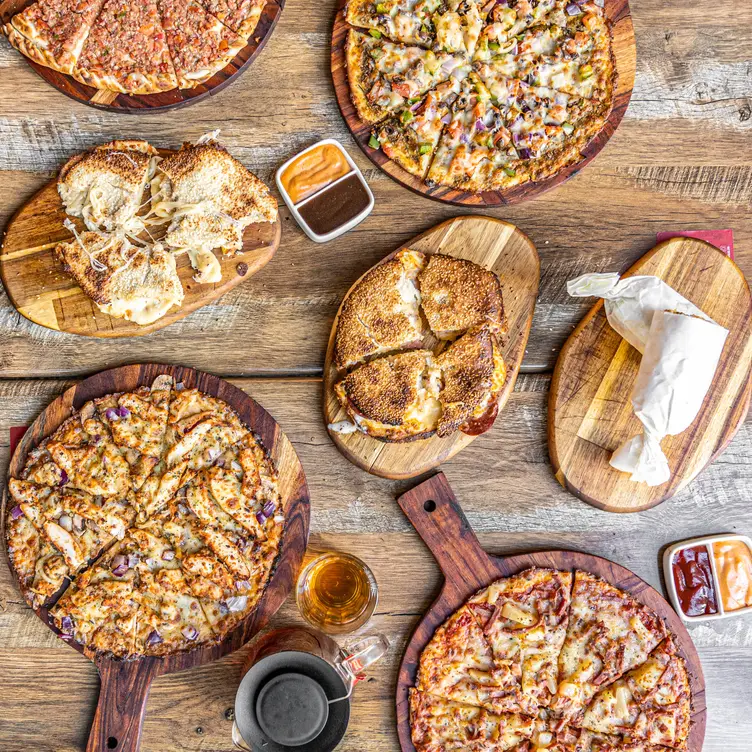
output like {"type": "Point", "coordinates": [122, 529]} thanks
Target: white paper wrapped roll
{"type": "Point", "coordinates": [680, 359]}
{"type": "Point", "coordinates": [631, 302]}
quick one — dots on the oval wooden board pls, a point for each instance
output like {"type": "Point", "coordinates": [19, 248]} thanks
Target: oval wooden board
{"type": "Point", "coordinates": [495, 245]}
{"type": "Point", "coordinates": [625, 57]}
{"type": "Point", "coordinates": [44, 293]}
{"type": "Point", "coordinates": [125, 684]}
{"type": "Point", "coordinates": [435, 513]}
{"type": "Point", "coordinates": [166, 100]}
{"type": "Point", "coordinates": [589, 409]}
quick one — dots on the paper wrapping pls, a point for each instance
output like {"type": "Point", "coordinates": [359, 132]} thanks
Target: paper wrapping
{"type": "Point", "coordinates": [681, 347]}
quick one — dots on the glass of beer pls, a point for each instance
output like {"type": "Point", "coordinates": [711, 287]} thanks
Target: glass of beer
{"type": "Point", "coordinates": [336, 593]}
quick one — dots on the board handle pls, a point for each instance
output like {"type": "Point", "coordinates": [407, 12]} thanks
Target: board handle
{"type": "Point", "coordinates": [433, 510]}
{"type": "Point", "coordinates": [119, 716]}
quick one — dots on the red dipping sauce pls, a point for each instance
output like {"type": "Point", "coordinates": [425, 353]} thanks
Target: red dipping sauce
{"type": "Point", "coordinates": [693, 578]}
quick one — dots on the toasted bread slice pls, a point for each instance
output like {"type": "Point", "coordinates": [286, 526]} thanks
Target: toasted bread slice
{"type": "Point", "coordinates": [393, 398]}
{"type": "Point", "coordinates": [457, 295]}
{"type": "Point", "coordinates": [105, 185]}
{"type": "Point", "coordinates": [209, 198]}
{"type": "Point", "coordinates": [125, 281]}
{"type": "Point", "coordinates": [382, 312]}
{"type": "Point", "coordinates": [473, 372]}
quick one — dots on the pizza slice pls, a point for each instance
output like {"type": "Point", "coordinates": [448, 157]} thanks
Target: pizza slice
{"type": "Point", "coordinates": [411, 137]}
{"type": "Point", "coordinates": [438, 724]}
{"type": "Point", "coordinates": [650, 703]}
{"type": "Point", "coordinates": [385, 76]}
{"type": "Point", "coordinates": [609, 633]}
{"type": "Point", "coordinates": [126, 50]}
{"type": "Point", "coordinates": [242, 16]}
{"type": "Point", "coordinates": [138, 423]}
{"type": "Point", "coordinates": [525, 620]}
{"type": "Point", "coordinates": [406, 21]}
{"type": "Point", "coordinates": [199, 428]}
{"type": "Point", "coordinates": [458, 664]}
{"type": "Point", "coordinates": [200, 44]}
{"type": "Point", "coordinates": [53, 32]}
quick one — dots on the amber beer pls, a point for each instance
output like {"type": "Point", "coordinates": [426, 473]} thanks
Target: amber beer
{"type": "Point", "coordinates": [337, 593]}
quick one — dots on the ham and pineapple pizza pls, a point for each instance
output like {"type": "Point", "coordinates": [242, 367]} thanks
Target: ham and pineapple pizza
{"type": "Point", "coordinates": [498, 674]}
{"type": "Point", "coordinates": [533, 83]}
{"type": "Point", "coordinates": [149, 522]}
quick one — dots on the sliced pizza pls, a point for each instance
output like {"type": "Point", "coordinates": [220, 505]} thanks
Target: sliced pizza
{"type": "Point", "coordinates": [52, 32]}
{"type": "Point", "coordinates": [200, 44]}
{"type": "Point", "coordinates": [411, 137]}
{"type": "Point", "coordinates": [440, 725]}
{"type": "Point", "coordinates": [126, 50]}
{"type": "Point", "coordinates": [385, 76]}
{"type": "Point", "coordinates": [609, 633]}
{"type": "Point", "coordinates": [525, 619]}
{"type": "Point", "coordinates": [458, 664]}
{"type": "Point", "coordinates": [649, 703]}
{"type": "Point", "coordinates": [406, 21]}
{"type": "Point", "coordinates": [242, 16]}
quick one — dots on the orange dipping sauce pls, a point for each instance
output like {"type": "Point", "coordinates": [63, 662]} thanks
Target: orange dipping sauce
{"type": "Point", "coordinates": [733, 565]}
{"type": "Point", "coordinates": [314, 170]}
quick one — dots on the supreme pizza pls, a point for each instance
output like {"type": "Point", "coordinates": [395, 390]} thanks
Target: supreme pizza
{"type": "Point", "coordinates": [418, 346]}
{"type": "Point", "coordinates": [135, 48]}
{"type": "Point", "coordinates": [551, 660]}
{"type": "Point", "coordinates": [148, 523]}
{"type": "Point", "coordinates": [480, 96]}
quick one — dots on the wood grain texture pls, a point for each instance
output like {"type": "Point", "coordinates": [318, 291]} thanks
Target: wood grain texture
{"type": "Point", "coordinates": [590, 413]}
{"type": "Point", "coordinates": [125, 684]}
{"type": "Point", "coordinates": [433, 510]}
{"type": "Point", "coordinates": [495, 245]}
{"type": "Point", "coordinates": [43, 292]}
{"type": "Point", "coordinates": [624, 50]}
{"type": "Point", "coordinates": [168, 100]}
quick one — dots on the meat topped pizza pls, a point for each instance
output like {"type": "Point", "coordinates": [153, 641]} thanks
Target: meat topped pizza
{"type": "Point", "coordinates": [149, 522]}
{"type": "Point", "coordinates": [135, 48]}
{"type": "Point", "coordinates": [492, 676]}
{"type": "Point", "coordinates": [536, 82]}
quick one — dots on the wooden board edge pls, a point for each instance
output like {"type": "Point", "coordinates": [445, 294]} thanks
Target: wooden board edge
{"type": "Point", "coordinates": [513, 372]}
{"type": "Point", "coordinates": [745, 396]}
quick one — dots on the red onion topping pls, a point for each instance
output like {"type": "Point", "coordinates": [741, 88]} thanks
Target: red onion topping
{"type": "Point", "coordinates": [120, 565]}
{"type": "Point", "coordinates": [260, 518]}
{"type": "Point", "coordinates": [190, 633]}
{"type": "Point", "coordinates": [242, 584]}
{"type": "Point", "coordinates": [63, 478]}
{"type": "Point", "coordinates": [269, 508]}
{"type": "Point", "coordinates": [446, 119]}
{"type": "Point", "coordinates": [573, 9]}
{"type": "Point", "coordinates": [123, 412]}
{"type": "Point", "coordinates": [111, 414]}
{"type": "Point", "coordinates": [66, 624]}
{"type": "Point", "coordinates": [16, 512]}
{"type": "Point", "coordinates": [179, 386]}
{"type": "Point", "coordinates": [480, 125]}
{"type": "Point", "coordinates": [154, 638]}
{"type": "Point", "coordinates": [168, 554]}
{"type": "Point", "coordinates": [223, 609]}
{"type": "Point", "coordinates": [237, 602]}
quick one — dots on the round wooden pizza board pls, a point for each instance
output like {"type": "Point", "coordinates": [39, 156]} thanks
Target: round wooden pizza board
{"type": "Point", "coordinates": [166, 100]}
{"type": "Point", "coordinates": [125, 684]}
{"type": "Point", "coordinates": [589, 408]}
{"type": "Point", "coordinates": [625, 59]}
{"type": "Point", "coordinates": [44, 293]}
{"type": "Point", "coordinates": [434, 512]}
{"type": "Point", "coordinates": [495, 245]}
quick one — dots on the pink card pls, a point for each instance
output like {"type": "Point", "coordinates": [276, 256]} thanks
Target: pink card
{"type": "Point", "coordinates": [721, 239]}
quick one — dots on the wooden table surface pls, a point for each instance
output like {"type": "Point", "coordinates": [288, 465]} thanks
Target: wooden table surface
{"type": "Point", "coordinates": [682, 159]}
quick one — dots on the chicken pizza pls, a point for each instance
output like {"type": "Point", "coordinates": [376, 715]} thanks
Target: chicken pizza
{"type": "Point", "coordinates": [148, 523]}
{"type": "Point", "coordinates": [523, 85]}
{"type": "Point", "coordinates": [498, 674]}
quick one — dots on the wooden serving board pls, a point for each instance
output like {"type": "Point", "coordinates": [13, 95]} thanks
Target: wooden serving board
{"type": "Point", "coordinates": [167, 100]}
{"type": "Point", "coordinates": [44, 293]}
{"type": "Point", "coordinates": [589, 409]}
{"type": "Point", "coordinates": [495, 245]}
{"type": "Point", "coordinates": [435, 513]}
{"type": "Point", "coordinates": [625, 58]}
{"type": "Point", "coordinates": [125, 684]}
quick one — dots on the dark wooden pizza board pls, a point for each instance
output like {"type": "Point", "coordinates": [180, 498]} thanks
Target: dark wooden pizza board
{"type": "Point", "coordinates": [435, 513]}
{"type": "Point", "coordinates": [589, 410]}
{"type": "Point", "coordinates": [495, 245]}
{"type": "Point", "coordinates": [125, 684]}
{"type": "Point", "coordinates": [625, 58]}
{"type": "Point", "coordinates": [43, 292]}
{"type": "Point", "coordinates": [167, 100]}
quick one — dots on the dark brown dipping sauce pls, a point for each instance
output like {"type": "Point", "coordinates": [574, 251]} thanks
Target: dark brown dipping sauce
{"type": "Point", "coordinates": [334, 206]}
{"type": "Point", "coordinates": [693, 577]}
